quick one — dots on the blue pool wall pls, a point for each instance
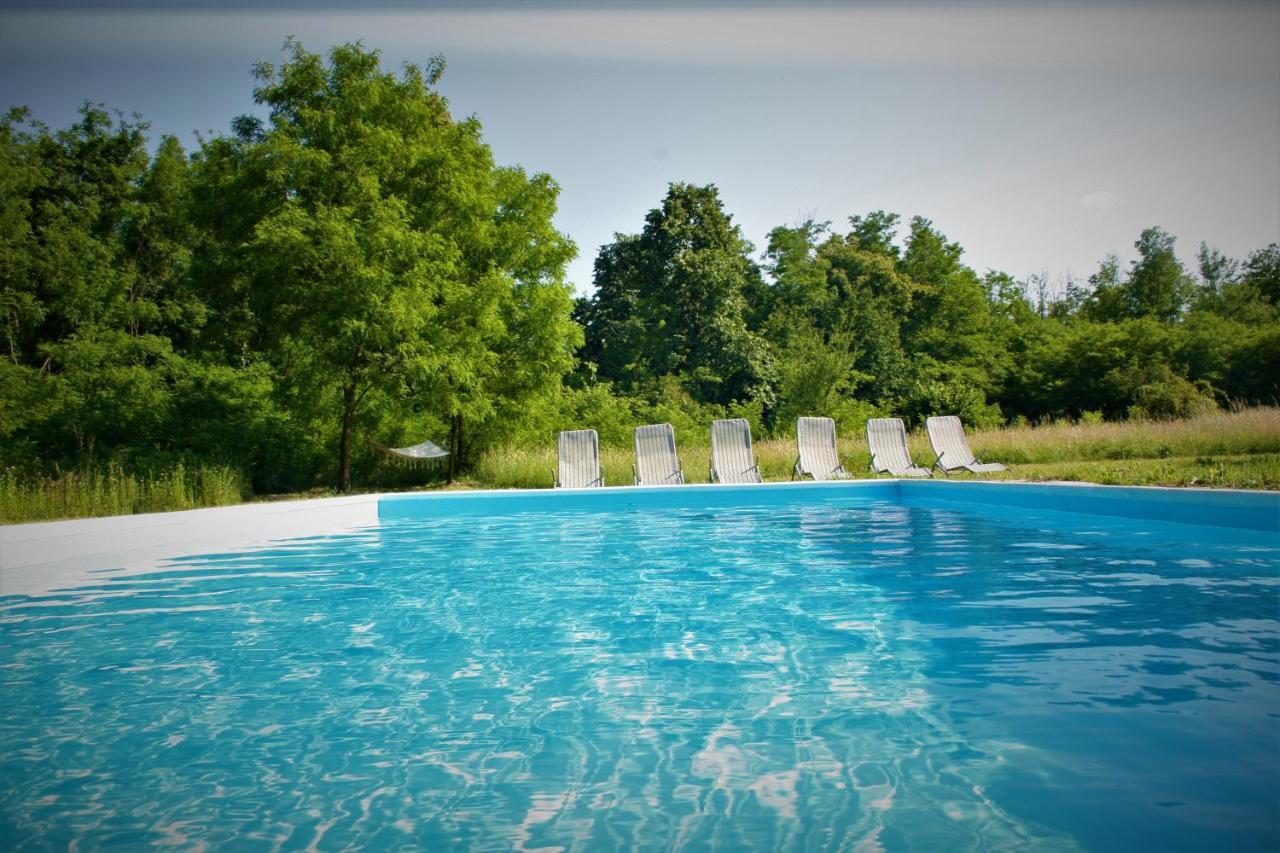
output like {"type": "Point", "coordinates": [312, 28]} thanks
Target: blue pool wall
{"type": "Point", "coordinates": [1244, 510]}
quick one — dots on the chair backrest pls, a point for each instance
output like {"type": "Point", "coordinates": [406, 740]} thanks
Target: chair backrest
{"type": "Point", "coordinates": [578, 459]}
{"type": "Point", "coordinates": [656, 460]}
{"type": "Point", "coordinates": [887, 440]}
{"type": "Point", "coordinates": [946, 434]}
{"type": "Point", "coordinates": [816, 447]}
{"type": "Point", "coordinates": [731, 456]}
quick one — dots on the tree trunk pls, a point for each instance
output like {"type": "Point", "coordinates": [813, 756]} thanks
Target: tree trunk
{"type": "Point", "coordinates": [455, 447]}
{"type": "Point", "coordinates": [344, 450]}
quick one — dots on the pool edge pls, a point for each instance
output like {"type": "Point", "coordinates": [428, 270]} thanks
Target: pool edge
{"type": "Point", "coordinates": [37, 555]}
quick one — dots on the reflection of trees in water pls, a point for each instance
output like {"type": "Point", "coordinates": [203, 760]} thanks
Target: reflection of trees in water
{"type": "Point", "coordinates": [740, 679]}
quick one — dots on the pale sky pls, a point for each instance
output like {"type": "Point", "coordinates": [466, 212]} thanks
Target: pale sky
{"type": "Point", "coordinates": [1040, 136]}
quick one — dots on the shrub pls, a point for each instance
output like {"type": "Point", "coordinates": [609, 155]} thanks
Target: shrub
{"type": "Point", "coordinates": [1170, 396]}
{"type": "Point", "coordinates": [951, 397]}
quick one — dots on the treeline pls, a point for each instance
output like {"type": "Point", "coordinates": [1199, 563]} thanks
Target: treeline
{"type": "Point", "coordinates": [873, 320]}
{"type": "Point", "coordinates": [357, 268]}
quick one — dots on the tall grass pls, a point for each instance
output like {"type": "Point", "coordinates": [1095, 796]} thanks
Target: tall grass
{"type": "Point", "coordinates": [110, 489]}
{"type": "Point", "coordinates": [1237, 449]}
{"type": "Point", "coordinates": [1220, 434]}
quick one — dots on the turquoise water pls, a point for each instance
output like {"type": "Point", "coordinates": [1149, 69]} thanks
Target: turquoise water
{"type": "Point", "coordinates": [825, 675]}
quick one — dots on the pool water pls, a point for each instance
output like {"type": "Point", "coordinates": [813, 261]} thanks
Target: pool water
{"type": "Point", "coordinates": [828, 675]}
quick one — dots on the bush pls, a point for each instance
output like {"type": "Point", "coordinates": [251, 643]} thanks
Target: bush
{"type": "Point", "coordinates": [665, 400]}
{"type": "Point", "coordinates": [851, 416]}
{"type": "Point", "coordinates": [951, 397]}
{"type": "Point", "coordinates": [1170, 396]}
{"type": "Point", "coordinates": [597, 407]}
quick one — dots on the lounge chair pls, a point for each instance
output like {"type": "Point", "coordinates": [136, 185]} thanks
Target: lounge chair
{"type": "Point", "coordinates": [731, 457]}
{"type": "Point", "coordinates": [887, 438]}
{"type": "Point", "coordinates": [816, 450]}
{"type": "Point", "coordinates": [578, 460]}
{"type": "Point", "coordinates": [656, 461]}
{"type": "Point", "coordinates": [946, 434]}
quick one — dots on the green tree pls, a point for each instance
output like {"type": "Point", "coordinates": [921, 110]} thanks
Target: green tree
{"type": "Point", "coordinates": [816, 371]}
{"type": "Point", "coordinates": [1216, 269]}
{"type": "Point", "coordinates": [674, 301]}
{"type": "Point", "coordinates": [1234, 294]}
{"type": "Point", "coordinates": [799, 279]}
{"type": "Point", "coordinates": [952, 332]}
{"type": "Point", "coordinates": [1106, 301]}
{"type": "Point", "coordinates": [848, 290]}
{"type": "Point", "coordinates": [21, 173]}
{"type": "Point", "coordinates": [369, 245]}
{"type": "Point", "coordinates": [94, 284]}
{"type": "Point", "coordinates": [613, 318]}
{"type": "Point", "coordinates": [1158, 284]}
{"type": "Point", "coordinates": [875, 232]}
{"type": "Point", "coordinates": [1262, 271]}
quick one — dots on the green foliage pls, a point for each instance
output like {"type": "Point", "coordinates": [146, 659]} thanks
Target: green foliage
{"type": "Point", "coordinates": [101, 317]}
{"type": "Point", "coordinates": [382, 255]}
{"type": "Point", "coordinates": [1163, 394]}
{"type": "Point", "coordinates": [1262, 272]}
{"type": "Point", "coordinates": [354, 267]}
{"type": "Point", "coordinates": [1157, 285]}
{"type": "Point", "coordinates": [110, 489]}
{"type": "Point", "coordinates": [674, 301]}
{"type": "Point", "coordinates": [953, 397]}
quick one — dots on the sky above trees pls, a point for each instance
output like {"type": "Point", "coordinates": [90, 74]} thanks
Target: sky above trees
{"type": "Point", "coordinates": [1038, 136]}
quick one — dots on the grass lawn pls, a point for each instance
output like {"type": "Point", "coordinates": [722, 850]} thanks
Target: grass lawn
{"type": "Point", "coordinates": [1223, 450]}
{"type": "Point", "coordinates": [1253, 471]}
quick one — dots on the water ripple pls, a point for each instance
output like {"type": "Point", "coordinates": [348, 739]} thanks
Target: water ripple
{"type": "Point", "coordinates": [833, 676]}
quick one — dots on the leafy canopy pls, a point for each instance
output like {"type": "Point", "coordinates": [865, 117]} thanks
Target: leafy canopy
{"type": "Point", "coordinates": [674, 301]}
{"type": "Point", "coordinates": [377, 249]}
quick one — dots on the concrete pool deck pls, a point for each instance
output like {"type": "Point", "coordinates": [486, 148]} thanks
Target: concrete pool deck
{"type": "Point", "coordinates": [46, 555]}
{"type": "Point", "coordinates": [39, 557]}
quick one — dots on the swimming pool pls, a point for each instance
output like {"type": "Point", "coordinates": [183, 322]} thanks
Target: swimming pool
{"type": "Point", "coordinates": [936, 666]}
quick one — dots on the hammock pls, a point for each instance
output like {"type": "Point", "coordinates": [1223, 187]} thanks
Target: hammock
{"type": "Point", "coordinates": [425, 450]}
